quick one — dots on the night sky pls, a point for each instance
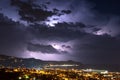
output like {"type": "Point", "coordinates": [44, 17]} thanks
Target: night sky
{"type": "Point", "coordinates": [87, 31]}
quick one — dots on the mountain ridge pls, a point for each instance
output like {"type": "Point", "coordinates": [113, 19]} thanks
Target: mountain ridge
{"type": "Point", "coordinates": [11, 61]}
{"type": "Point", "coordinates": [31, 62]}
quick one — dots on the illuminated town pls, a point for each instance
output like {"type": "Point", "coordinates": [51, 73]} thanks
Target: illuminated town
{"type": "Point", "coordinates": [52, 73]}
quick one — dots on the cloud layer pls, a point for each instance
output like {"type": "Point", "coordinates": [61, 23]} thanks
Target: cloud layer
{"type": "Point", "coordinates": [80, 33]}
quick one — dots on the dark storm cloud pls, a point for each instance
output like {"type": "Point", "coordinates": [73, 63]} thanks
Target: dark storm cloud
{"type": "Point", "coordinates": [41, 48]}
{"type": "Point", "coordinates": [66, 46]}
{"type": "Point", "coordinates": [31, 12]}
{"type": "Point", "coordinates": [71, 25]}
{"type": "Point", "coordinates": [12, 37]}
{"type": "Point", "coordinates": [62, 31]}
{"type": "Point", "coordinates": [98, 49]}
{"type": "Point", "coordinates": [64, 52]}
